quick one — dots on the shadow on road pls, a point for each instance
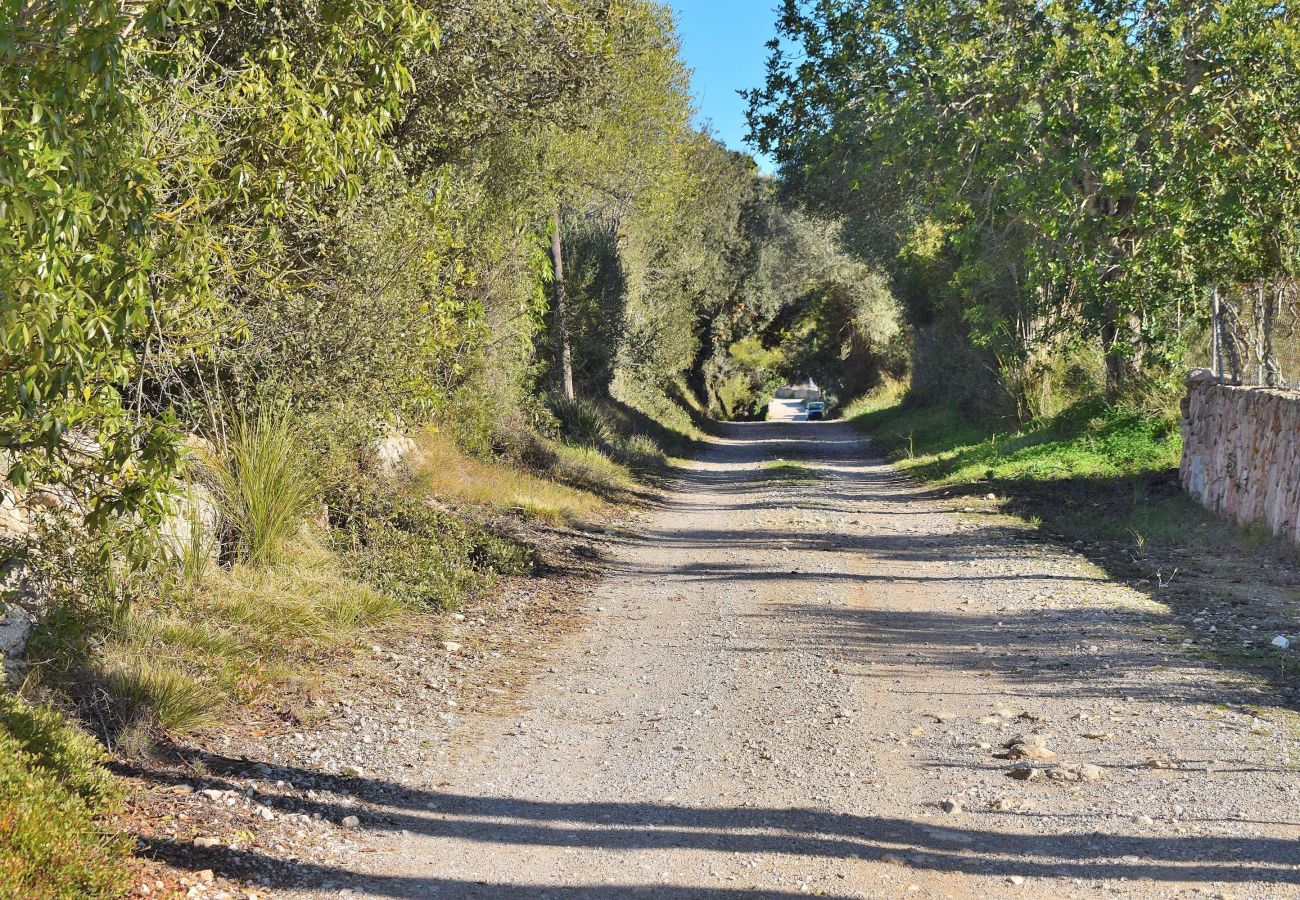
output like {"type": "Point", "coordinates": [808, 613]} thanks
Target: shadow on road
{"type": "Point", "coordinates": [504, 821]}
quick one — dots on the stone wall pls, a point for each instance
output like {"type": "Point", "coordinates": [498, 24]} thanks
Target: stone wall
{"type": "Point", "coordinates": [1241, 452]}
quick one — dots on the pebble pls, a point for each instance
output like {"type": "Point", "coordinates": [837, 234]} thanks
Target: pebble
{"type": "Point", "coordinates": [350, 822]}
{"type": "Point", "coordinates": [1070, 772]}
{"type": "Point", "coordinates": [1028, 746]}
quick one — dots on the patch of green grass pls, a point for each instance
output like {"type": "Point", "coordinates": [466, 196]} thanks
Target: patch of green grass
{"type": "Point", "coordinates": [791, 470]}
{"type": "Point", "coordinates": [1088, 440]}
{"type": "Point", "coordinates": [640, 454]}
{"type": "Point", "coordinates": [54, 798]}
{"type": "Point", "coordinates": [423, 556]}
{"type": "Point", "coordinates": [153, 694]}
{"type": "Point", "coordinates": [1093, 472]}
{"type": "Point", "coordinates": [589, 469]}
{"type": "Point", "coordinates": [179, 661]}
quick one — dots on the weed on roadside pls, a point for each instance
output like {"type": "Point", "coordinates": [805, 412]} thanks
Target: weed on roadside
{"type": "Point", "coordinates": [263, 483]}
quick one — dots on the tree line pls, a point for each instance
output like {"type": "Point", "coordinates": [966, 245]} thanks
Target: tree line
{"type": "Point", "coordinates": [1046, 181]}
{"type": "Point", "coordinates": [378, 212]}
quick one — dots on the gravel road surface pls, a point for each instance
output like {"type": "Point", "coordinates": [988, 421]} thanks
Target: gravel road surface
{"type": "Point", "coordinates": [806, 675]}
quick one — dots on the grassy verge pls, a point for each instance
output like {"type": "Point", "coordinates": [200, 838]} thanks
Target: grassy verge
{"type": "Point", "coordinates": [495, 484]}
{"type": "Point", "coordinates": [791, 471]}
{"type": "Point", "coordinates": [1096, 471]}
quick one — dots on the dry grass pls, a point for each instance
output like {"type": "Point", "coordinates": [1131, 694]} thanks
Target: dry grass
{"type": "Point", "coordinates": [450, 475]}
{"type": "Point", "coordinates": [239, 636]}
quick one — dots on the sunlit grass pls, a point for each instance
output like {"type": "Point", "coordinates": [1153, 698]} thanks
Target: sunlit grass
{"type": "Point", "coordinates": [1088, 440]}
{"type": "Point", "coordinates": [452, 476]}
{"type": "Point", "coordinates": [1095, 471]}
{"type": "Point", "coordinates": [263, 484]}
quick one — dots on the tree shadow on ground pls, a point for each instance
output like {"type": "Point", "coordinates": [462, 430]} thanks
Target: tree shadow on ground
{"type": "Point", "coordinates": [891, 638]}
{"type": "Point", "coordinates": [495, 822]}
{"type": "Point", "coordinates": [1146, 532]}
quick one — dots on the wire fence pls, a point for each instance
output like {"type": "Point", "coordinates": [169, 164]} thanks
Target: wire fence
{"type": "Point", "coordinates": [1255, 338]}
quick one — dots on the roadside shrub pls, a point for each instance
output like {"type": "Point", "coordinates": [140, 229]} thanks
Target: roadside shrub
{"type": "Point", "coordinates": [263, 484]}
{"type": "Point", "coordinates": [54, 794]}
{"type": "Point", "coordinates": [470, 416]}
{"type": "Point", "coordinates": [88, 591]}
{"type": "Point", "coordinates": [589, 469]}
{"type": "Point", "coordinates": [518, 442]}
{"type": "Point", "coordinates": [422, 556]}
{"type": "Point", "coordinates": [640, 453]}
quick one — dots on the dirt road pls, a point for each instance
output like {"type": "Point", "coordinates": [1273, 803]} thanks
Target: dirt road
{"type": "Point", "coordinates": [796, 681]}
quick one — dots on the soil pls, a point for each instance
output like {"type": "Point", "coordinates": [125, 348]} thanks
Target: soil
{"type": "Point", "coordinates": [797, 679]}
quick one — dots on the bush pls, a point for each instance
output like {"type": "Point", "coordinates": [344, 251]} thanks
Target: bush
{"type": "Point", "coordinates": [263, 484]}
{"type": "Point", "coordinates": [519, 443]}
{"type": "Point", "coordinates": [422, 556]}
{"type": "Point", "coordinates": [589, 469]}
{"type": "Point", "coordinates": [154, 694]}
{"type": "Point", "coordinates": [54, 794]}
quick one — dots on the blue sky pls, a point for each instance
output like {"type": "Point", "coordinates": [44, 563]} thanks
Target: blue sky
{"type": "Point", "coordinates": [722, 41]}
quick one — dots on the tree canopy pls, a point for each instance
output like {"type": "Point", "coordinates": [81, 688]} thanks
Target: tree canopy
{"type": "Point", "coordinates": [1037, 174]}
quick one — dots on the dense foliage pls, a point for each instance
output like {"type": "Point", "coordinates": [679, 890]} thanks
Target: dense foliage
{"type": "Point", "coordinates": [349, 207]}
{"type": "Point", "coordinates": [1045, 176]}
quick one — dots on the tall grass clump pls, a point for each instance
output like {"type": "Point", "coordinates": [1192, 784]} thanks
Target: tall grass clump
{"type": "Point", "coordinates": [191, 545]}
{"type": "Point", "coordinates": [263, 484]}
{"type": "Point", "coordinates": [155, 694]}
{"type": "Point", "coordinates": [582, 421]}
{"type": "Point", "coordinates": [640, 453]}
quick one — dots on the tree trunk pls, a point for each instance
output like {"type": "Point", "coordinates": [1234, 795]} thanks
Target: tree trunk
{"type": "Point", "coordinates": [1122, 358]}
{"type": "Point", "coordinates": [558, 307]}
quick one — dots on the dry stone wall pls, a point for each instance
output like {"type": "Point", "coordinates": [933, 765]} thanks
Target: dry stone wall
{"type": "Point", "coordinates": [1241, 452]}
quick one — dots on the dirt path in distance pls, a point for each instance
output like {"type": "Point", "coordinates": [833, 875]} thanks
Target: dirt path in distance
{"type": "Point", "coordinates": [797, 680]}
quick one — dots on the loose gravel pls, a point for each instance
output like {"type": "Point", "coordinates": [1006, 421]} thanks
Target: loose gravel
{"type": "Point", "coordinates": [823, 679]}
